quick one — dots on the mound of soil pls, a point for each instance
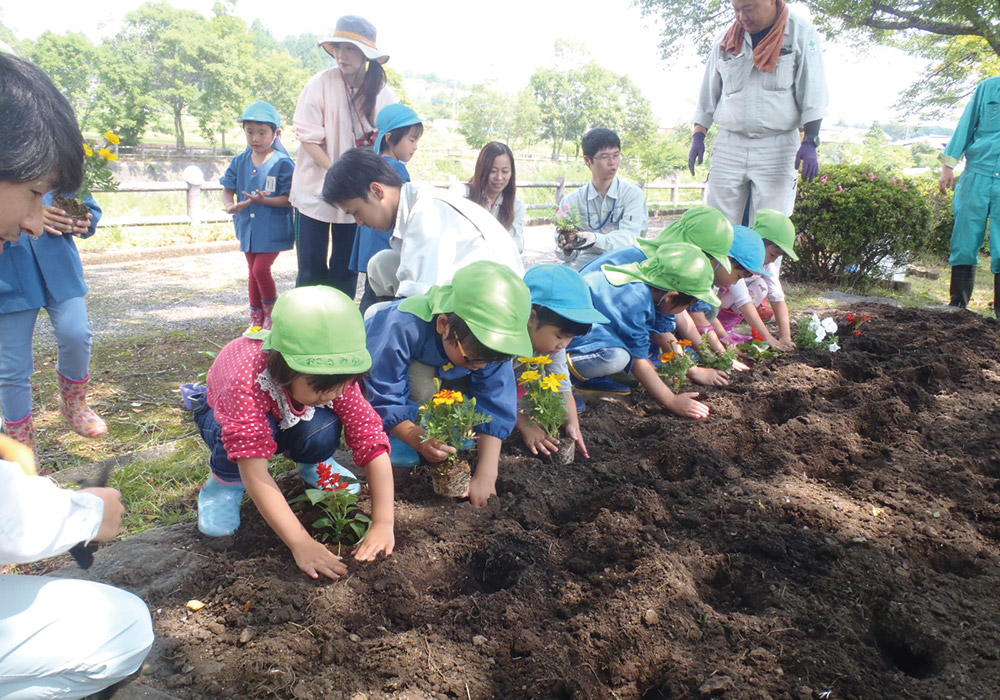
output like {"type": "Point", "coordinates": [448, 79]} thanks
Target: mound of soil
{"type": "Point", "coordinates": [831, 531]}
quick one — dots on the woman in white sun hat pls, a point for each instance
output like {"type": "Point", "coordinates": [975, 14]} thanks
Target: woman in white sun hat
{"type": "Point", "coordinates": [336, 112]}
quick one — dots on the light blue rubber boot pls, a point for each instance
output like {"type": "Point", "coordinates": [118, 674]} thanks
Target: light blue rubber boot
{"type": "Point", "coordinates": [310, 473]}
{"type": "Point", "coordinates": [402, 455]}
{"type": "Point", "coordinates": [219, 507]}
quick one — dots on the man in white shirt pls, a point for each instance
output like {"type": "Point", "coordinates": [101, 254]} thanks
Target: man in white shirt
{"type": "Point", "coordinates": [434, 232]}
{"type": "Point", "coordinates": [763, 82]}
{"type": "Point", "coordinates": [612, 213]}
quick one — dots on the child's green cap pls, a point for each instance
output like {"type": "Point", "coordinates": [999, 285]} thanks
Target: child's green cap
{"type": "Point", "coordinates": [318, 330]}
{"type": "Point", "coordinates": [705, 227]}
{"type": "Point", "coordinates": [673, 267]}
{"type": "Point", "coordinates": [492, 300]}
{"type": "Point", "coordinates": [774, 226]}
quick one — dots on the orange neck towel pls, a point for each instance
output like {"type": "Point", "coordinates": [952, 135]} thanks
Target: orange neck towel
{"type": "Point", "coordinates": [768, 51]}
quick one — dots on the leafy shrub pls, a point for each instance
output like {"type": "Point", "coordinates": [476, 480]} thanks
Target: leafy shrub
{"type": "Point", "coordinates": [851, 220]}
{"type": "Point", "coordinates": [942, 215]}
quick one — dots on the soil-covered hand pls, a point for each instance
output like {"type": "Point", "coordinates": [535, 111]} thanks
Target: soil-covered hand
{"type": "Point", "coordinates": [574, 434]}
{"type": "Point", "coordinates": [380, 538]}
{"type": "Point", "coordinates": [480, 490]}
{"type": "Point", "coordinates": [435, 451]}
{"type": "Point", "coordinates": [783, 344]}
{"type": "Point", "coordinates": [314, 558]}
{"type": "Point", "coordinates": [111, 521]}
{"type": "Point", "coordinates": [687, 406]}
{"type": "Point", "coordinates": [537, 440]}
{"type": "Point", "coordinates": [57, 221]}
{"type": "Point", "coordinates": [706, 376]}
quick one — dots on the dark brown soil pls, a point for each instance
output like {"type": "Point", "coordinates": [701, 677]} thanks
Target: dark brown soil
{"type": "Point", "coordinates": [831, 531]}
{"type": "Point", "coordinates": [71, 205]}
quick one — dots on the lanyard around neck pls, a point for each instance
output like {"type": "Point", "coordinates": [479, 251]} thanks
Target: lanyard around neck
{"type": "Point", "coordinates": [608, 218]}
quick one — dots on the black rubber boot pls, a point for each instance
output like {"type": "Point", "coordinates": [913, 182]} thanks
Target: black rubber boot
{"type": "Point", "coordinates": [963, 279]}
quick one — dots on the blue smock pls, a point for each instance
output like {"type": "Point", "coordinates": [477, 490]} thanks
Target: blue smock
{"type": "Point", "coordinates": [37, 271]}
{"type": "Point", "coordinates": [665, 323]}
{"type": "Point", "coordinates": [631, 313]}
{"type": "Point", "coordinates": [261, 228]}
{"type": "Point", "coordinates": [370, 241]}
{"type": "Point", "coordinates": [397, 339]}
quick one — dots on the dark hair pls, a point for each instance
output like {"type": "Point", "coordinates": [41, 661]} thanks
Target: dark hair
{"type": "Point", "coordinates": [38, 129]}
{"type": "Point", "coordinates": [596, 140]}
{"type": "Point", "coordinates": [285, 375]}
{"type": "Point", "coordinates": [274, 127]}
{"type": "Point", "coordinates": [548, 317]}
{"type": "Point", "coordinates": [683, 298]}
{"type": "Point", "coordinates": [371, 86]}
{"type": "Point", "coordinates": [737, 264]}
{"type": "Point", "coordinates": [481, 179]}
{"type": "Point", "coordinates": [352, 174]}
{"type": "Point", "coordinates": [458, 328]}
{"type": "Point", "coordinates": [393, 137]}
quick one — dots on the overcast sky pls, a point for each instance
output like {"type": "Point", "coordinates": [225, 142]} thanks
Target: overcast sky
{"type": "Point", "coordinates": [470, 42]}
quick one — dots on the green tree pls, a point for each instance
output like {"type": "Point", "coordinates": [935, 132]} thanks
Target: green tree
{"type": "Point", "coordinates": [490, 115]}
{"type": "Point", "coordinates": [305, 48]}
{"type": "Point", "coordinates": [656, 155]}
{"type": "Point", "coordinates": [69, 59]}
{"type": "Point", "coordinates": [122, 96]}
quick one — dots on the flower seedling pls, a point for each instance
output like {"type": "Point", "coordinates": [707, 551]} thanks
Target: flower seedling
{"type": "Point", "coordinates": [97, 175]}
{"type": "Point", "coordinates": [816, 333]}
{"type": "Point", "coordinates": [855, 321]}
{"type": "Point", "coordinates": [675, 367]}
{"type": "Point", "coordinates": [714, 360]}
{"type": "Point", "coordinates": [343, 521]}
{"type": "Point", "coordinates": [547, 409]}
{"type": "Point", "coordinates": [566, 219]}
{"type": "Point", "coordinates": [449, 418]}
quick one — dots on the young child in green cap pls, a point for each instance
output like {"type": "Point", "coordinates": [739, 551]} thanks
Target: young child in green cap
{"type": "Point", "coordinates": [630, 296]}
{"type": "Point", "coordinates": [290, 390]}
{"type": "Point", "coordinates": [466, 331]}
{"type": "Point", "coordinates": [561, 309]}
{"type": "Point", "coordinates": [778, 233]}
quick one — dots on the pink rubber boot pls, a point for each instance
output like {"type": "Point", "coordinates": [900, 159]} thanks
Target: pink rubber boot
{"type": "Point", "coordinates": [256, 317]}
{"type": "Point", "coordinates": [23, 431]}
{"type": "Point", "coordinates": [73, 404]}
{"type": "Point", "coordinates": [267, 315]}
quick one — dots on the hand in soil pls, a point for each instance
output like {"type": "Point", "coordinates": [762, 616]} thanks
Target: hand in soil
{"type": "Point", "coordinates": [111, 521]}
{"type": "Point", "coordinates": [740, 366]}
{"type": "Point", "coordinates": [706, 376]}
{"type": "Point", "coordinates": [480, 490]}
{"type": "Point", "coordinates": [57, 221]}
{"type": "Point", "coordinates": [435, 451]}
{"type": "Point", "coordinates": [574, 434]}
{"type": "Point", "coordinates": [380, 538]}
{"type": "Point", "coordinates": [784, 344]}
{"type": "Point", "coordinates": [687, 406]}
{"type": "Point", "coordinates": [314, 558]}
{"type": "Point", "coordinates": [536, 439]}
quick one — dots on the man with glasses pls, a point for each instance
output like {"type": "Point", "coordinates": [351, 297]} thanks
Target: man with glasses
{"type": "Point", "coordinates": [612, 213]}
{"type": "Point", "coordinates": [764, 81]}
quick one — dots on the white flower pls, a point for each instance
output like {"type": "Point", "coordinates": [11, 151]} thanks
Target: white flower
{"type": "Point", "coordinates": [833, 347]}
{"type": "Point", "coordinates": [830, 325]}
{"type": "Point", "coordinates": [816, 326]}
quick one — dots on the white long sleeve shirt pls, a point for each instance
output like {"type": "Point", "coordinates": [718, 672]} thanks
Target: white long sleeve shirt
{"type": "Point", "coordinates": [617, 219]}
{"type": "Point", "coordinates": [38, 519]}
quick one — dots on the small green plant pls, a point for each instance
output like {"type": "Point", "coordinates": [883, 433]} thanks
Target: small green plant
{"type": "Point", "coordinates": [815, 333]}
{"type": "Point", "coordinates": [203, 376]}
{"type": "Point", "coordinates": [566, 219]}
{"type": "Point", "coordinates": [757, 351]}
{"type": "Point", "coordinates": [547, 409]}
{"type": "Point", "coordinates": [449, 418]}
{"type": "Point", "coordinates": [714, 360]}
{"type": "Point", "coordinates": [343, 521]}
{"type": "Point", "coordinates": [675, 367]}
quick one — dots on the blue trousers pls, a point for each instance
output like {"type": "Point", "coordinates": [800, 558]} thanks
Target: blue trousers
{"type": "Point", "coordinates": [977, 197]}
{"type": "Point", "coordinates": [306, 441]}
{"type": "Point", "coordinates": [602, 362]}
{"type": "Point", "coordinates": [312, 245]}
{"type": "Point", "coordinates": [17, 330]}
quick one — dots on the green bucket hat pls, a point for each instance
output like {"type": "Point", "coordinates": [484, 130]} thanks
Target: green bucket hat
{"type": "Point", "coordinates": [674, 267]}
{"type": "Point", "coordinates": [705, 227]}
{"type": "Point", "coordinates": [492, 300]}
{"type": "Point", "coordinates": [774, 226]}
{"type": "Point", "coordinates": [318, 330]}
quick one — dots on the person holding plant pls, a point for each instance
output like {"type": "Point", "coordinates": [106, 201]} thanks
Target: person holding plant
{"type": "Point", "coordinates": [494, 187]}
{"type": "Point", "coordinates": [462, 335]}
{"type": "Point", "coordinates": [58, 637]}
{"type": "Point", "coordinates": [290, 390]}
{"type": "Point", "coordinates": [612, 212]}
{"type": "Point", "coordinates": [336, 112]}
{"type": "Point", "coordinates": [399, 131]}
{"type": "Point", "coordinates": [977, 198]}
{"type": "Point", "coordinates": [629, 296]}
{"type": "Point", "coordinates": [434, 232]}
{"type": "Point", "coordinates": [255, 191]}
{"type": "Point", "coordinates": [561, 309]}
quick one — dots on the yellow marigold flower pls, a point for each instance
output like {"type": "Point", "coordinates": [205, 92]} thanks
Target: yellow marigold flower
{"type": "Point", "coordinates": [524, 360]}
{"type": "Point", "coordinates": [112, 137]}
{"type": "Point", "coordinates": [541, 360]}
{"type": "Point", "coordinates": [532, 375]}
{"type": "Point", "coordinates": [684, 343]}
{"type": "Point", "coordinates": [107, 155]}
{"type": "Point", "coordinates": [87, 150]}
{"type": "Point", "coordinates": [552, 382]}
{"type": "Point", "coordinates": [668, 357]}
{"type": "Point", "coordinates": [448, 397]}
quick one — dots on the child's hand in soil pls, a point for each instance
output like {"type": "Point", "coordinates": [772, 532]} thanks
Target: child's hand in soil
{"type": "Point", "coordinates": [314, 558]}
{"type": "Point", "coordinates": [480, 490]}
{"type": "Point", "coordinates": [435, 451]}
{"type": "Point", "coordinates": [706, 376]}
{"type": "Point", "coordinates": [57, 221]}
{"type": "Point", "coordinates": [574, 434]}
{"type": "Point", "coordinates": [380, 538]}
{"type": "Point", "coordinates": [537, 439]}
{"type": "Point", "coordinates": [788, 344]}
{"type": "Point", "coordinates": [687, 406]}
{"type": "Point", "coordinates": [740, 366]}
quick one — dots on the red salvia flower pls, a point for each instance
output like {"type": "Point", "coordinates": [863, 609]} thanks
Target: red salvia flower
{"type": "Point", "coordinates": [757, 335]}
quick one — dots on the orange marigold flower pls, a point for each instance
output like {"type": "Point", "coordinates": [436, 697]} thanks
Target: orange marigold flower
{"type": "Point", "coordinates": [668, 356]}
{"type": "Point", "coordinates": [684, 343]}
{"type": "Point", "coordinates": [448, 397]}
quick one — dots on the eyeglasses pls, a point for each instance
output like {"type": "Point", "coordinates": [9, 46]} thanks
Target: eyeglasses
{"type": "Point", "coordinates": [465, 358]}
{"type": "Point", "coordinates": [609, 157]}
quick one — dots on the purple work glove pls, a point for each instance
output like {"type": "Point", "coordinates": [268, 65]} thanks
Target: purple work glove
{"type": "Point", "coordinates": [809, 160]}
{"type": "Point", "coordinates": [697, 152]}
